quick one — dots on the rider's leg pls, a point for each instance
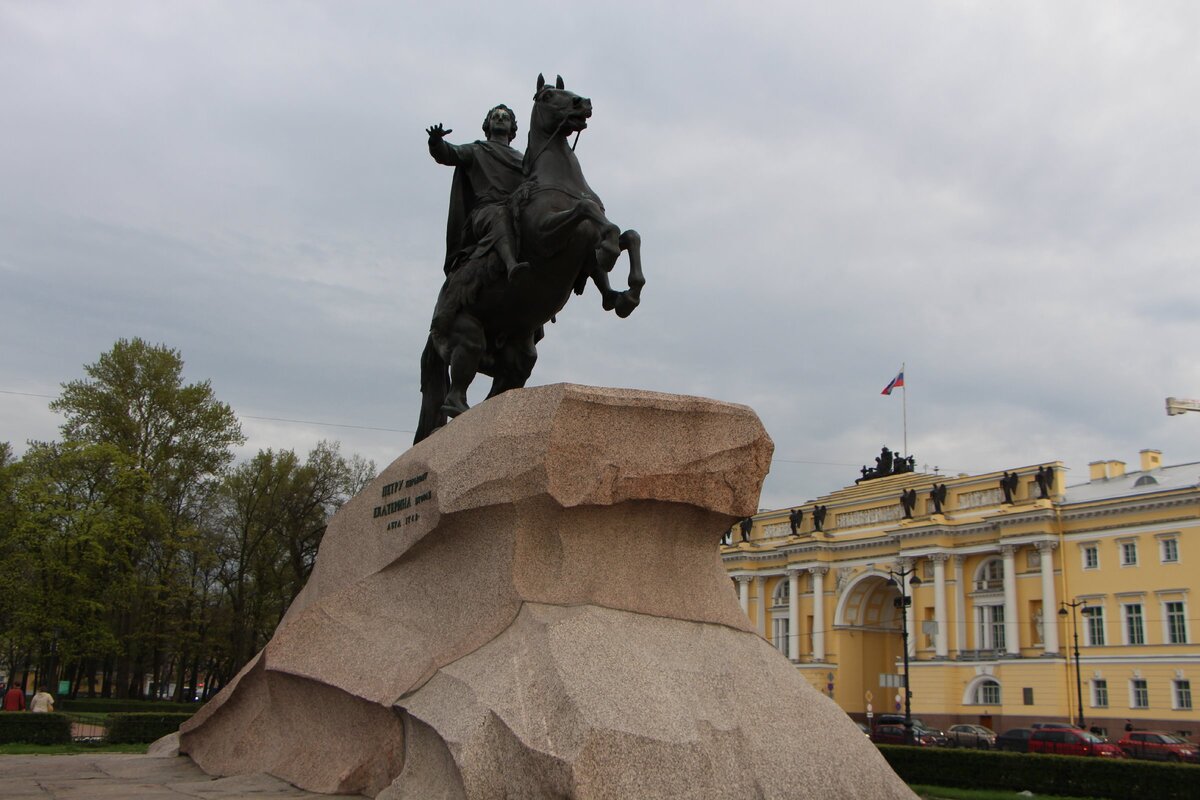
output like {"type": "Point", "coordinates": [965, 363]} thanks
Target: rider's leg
{"type": "Point", "coordinates": [511, 265]}
{"type": "Point", "coordinates": [504, 245]}
{"type": "Point", "coordinates": [466, 348]}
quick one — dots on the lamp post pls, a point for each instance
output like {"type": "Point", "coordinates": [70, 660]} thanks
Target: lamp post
{"type": "Point", "coordinates": [1062, 612]}
{"type": "Point", "coordinates": [903, 602]}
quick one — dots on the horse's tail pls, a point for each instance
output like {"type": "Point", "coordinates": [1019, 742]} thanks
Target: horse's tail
{"type": "Point", "coordinates": [435, 383]}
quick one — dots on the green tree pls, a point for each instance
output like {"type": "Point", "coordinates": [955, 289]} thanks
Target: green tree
{"type": "Point", "coordinates": [180, 437]}
{"type": "Point", "coordinates": [76, 524]}
{"type": "Point", "coordinates": [12, 564]}
{"type": "Point", "coordinates": [273, 512]}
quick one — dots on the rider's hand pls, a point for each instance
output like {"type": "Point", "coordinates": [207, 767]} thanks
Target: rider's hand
{"type": "Point", "coordinates": [437, 132]}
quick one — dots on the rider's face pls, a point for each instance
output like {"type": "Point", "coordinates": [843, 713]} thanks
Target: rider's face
{"type": "Point", "coordinates": [500, 122]}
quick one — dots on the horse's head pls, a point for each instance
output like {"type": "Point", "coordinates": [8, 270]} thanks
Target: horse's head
{"type": "Point", "coordinates": [557, 111]}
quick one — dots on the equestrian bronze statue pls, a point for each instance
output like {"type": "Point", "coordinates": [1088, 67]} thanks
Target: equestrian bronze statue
{"type": "Point", "coordinates": [523, 232]}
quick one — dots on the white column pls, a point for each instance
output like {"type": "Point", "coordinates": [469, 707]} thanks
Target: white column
{"type": "Point", "coordinates": [1049, 599]}
{"type": "Point", "coordinates": [794, 614]}
{"type": "Point", "coordinates": [1012, 631]}
{"type": "Point", "coordinates": [941, 646]}
{"type": "Point", "coordinates": [960, 607]}
{"type": "Point", "coordinates": [760, 586]}
{"type": "Point", "coordinates": [818, 631]}
{"type": "Point", "coordinates": [744, 593]}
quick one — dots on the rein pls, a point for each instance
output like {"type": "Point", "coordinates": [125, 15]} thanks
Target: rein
{"type": "Point", "coordinates": [550, 139]}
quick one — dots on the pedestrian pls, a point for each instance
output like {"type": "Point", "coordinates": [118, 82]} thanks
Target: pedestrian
{"type": "Point", "coordinates": [14, 698]}
{"type": "Point", "coordinates": [42, 702]}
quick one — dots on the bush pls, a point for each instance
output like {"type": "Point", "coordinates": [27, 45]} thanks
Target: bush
{"type": "Point", "coordinates": [29, 728]}
{"type": "Point", "coordinates": [145, 727]}
{"type": "Point", "coordinates": [1113, 778]}
{"type": "Point", "coordinates": [105, 705]}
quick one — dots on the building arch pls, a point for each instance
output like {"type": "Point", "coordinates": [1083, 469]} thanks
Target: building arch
{"type": "Point", "coordinates": [989, 575]}
{"type": "Point", "coordinates": [983, 690]}
{"type": "Point", "coordinates": [782, 593]}
{"type": "Point", "coordinates": [867, 602]}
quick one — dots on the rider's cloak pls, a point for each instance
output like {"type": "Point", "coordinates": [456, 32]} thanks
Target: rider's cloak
{"type": "Point", "coordinates": [485, 174]}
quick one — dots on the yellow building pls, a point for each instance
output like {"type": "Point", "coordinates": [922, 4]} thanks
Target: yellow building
{"type": "Point", "coordinates": [994, 565]}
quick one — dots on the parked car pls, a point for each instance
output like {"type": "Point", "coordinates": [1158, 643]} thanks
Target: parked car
{"type": "Point", "coordinates": [1159, 746]}
{"type": "Point", "coordinates": [894, 734]}
{"type": "Point", "coordinates": [1067, 725]}
{"type": "Point", "coordinates": [1071, 742]}
{"type": "Point", "coordinates": [862, 726]}
{"type": "Point", "coordinates": [933, 736]}
{"type": "Point", "coordinates": [1015, 740]}
{"type": "Point", "coordinates": [968, 735]}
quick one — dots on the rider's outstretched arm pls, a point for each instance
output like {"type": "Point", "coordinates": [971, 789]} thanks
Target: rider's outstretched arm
{"type": "Point", "coordinates": [442, 151]}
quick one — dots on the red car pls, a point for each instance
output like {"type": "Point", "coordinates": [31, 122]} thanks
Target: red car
{"type": "Point", "coordinates": [1071, 742]}
{"type": "Point", "coordinates": [1159, 746]}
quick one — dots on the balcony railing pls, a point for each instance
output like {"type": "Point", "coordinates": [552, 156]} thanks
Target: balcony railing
{"type": "Point", "coordinates": [982, 655]}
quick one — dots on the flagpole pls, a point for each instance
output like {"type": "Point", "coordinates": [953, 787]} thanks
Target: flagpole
{"type": "Point", "coordinates": [904, 402]}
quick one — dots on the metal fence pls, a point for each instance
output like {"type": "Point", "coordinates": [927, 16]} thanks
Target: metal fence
{"type": "Point", "coordinates": [85, 728]}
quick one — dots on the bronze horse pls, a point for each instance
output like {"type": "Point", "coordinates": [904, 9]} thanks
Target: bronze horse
{"type": "Point", "coordinates": [485, 323]}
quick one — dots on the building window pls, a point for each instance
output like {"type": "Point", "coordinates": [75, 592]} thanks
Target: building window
{"type": "Point", "coordinates": [1170, 551]}
{"type": "Point", "coordinates": [782, 630]}
{"type": "Point", "coordinates": [783, 593]}
{"type": "Point", "coordinates": [1176, 622]}
{"type": "Point", "coordinates": [1139, 693]}
{"type": "Point", "coordinates": [990, 630]}
{"type": "Point", "coordinates": [1135, 630]}
{"type": "Point", "coordinates": [990, 577]}
{"type": "Point", "coordinates": [1027, 695]}
{"type": "Point", "coordinates": [1099, 693]}
{"type": "Point", "coordinates": [987, 693]}
{"type": "Point", "coordinates": [1093, 626]}
{"type": "Point", "coordinates": [1183, 695]}
{"type": "Point", "coordinates": [1128, 554]}
{"type": "Point", "coordinates": [1091, 556]}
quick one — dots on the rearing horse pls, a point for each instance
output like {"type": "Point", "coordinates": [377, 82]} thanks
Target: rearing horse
{"type": "Point", "coordinates": [485, 323]}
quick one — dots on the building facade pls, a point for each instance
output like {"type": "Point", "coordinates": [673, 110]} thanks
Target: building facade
{"type": "Point", "coordinates": [997, 557]}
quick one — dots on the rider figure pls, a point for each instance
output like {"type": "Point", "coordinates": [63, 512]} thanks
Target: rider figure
{"type": "Point", "coordinates": [485, 174]}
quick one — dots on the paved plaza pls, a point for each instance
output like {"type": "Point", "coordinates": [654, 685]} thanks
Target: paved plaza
{"type": "Point", "coordinates": [116, 776]}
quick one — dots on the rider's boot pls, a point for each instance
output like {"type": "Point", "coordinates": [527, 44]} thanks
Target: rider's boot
{"type": "Point", "coordinates": [517, 270]}
{"type": "Point", "coordinates": [514, 268]}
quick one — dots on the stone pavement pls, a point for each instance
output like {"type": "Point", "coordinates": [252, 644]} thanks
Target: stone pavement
{"type": "Point", "coordinates": [116, 776]}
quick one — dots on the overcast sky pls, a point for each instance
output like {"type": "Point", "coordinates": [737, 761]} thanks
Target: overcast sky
{"type": "Point", "coordinates": [1003, 196]}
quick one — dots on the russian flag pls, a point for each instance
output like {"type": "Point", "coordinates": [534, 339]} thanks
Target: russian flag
{"type": "Point", "coordinates": [896, 383]}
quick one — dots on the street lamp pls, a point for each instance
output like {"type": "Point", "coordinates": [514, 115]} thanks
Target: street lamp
{"type": "Point", "coordinates": [1062, 612]}
{"type": "Point", "coordinates": [903, 602]}
{"type": "Point", "coordinates": [1178, 405]}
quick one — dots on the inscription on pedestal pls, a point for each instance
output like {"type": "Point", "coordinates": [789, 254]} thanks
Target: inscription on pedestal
{"type": "Point", "coordinates": [409, 500]}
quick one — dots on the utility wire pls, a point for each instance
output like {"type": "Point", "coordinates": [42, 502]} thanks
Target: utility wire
{"type": "Point", "coordinates": [251, 416]}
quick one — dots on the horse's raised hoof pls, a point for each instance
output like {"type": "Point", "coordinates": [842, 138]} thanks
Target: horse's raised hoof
{"type": "Point", "coordinates": [626, 303]}
{"type": "Point", "coordinates": [609, 300]}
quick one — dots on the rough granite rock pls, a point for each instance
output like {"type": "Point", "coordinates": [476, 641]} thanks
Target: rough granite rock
{"type": "Point", "coordinates": [530, 604]}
